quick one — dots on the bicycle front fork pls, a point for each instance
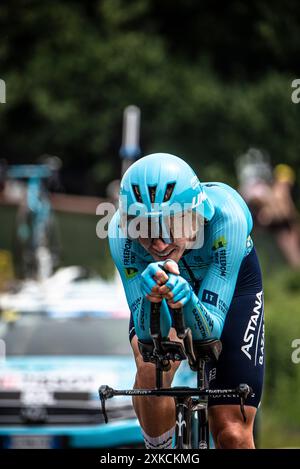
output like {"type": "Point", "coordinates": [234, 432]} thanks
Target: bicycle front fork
{"type": "Point", "coordinates": [201, 433]}
{"type": "Point", "coordinates": [192, 430]}
{"type": "Point", "coordinates": [183, 423]}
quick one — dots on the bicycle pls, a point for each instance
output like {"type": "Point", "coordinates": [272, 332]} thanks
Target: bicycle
{"type": "Point", "coordinates": [192, 427]}
{"type": "Point", "coordinates": [36, 234]}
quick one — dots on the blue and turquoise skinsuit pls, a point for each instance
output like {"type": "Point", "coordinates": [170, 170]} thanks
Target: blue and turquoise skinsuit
{"type": "Point", "coordinates": [211, 270]}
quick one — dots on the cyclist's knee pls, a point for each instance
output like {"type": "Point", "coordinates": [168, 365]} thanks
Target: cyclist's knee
{"type": "Point", "coordinates": [145, 375]}
{"type": "Point", "coordinates": [234, 436]}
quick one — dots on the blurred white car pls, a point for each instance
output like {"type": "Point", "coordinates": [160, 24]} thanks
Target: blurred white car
{"type": "Point", "coordinates": [59, 341]}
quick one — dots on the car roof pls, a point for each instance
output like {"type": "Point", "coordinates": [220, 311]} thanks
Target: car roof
{"type": "Point", "coordinates": [64, 295]}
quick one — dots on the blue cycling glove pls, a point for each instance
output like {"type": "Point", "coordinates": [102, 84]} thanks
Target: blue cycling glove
{"type": "Point", "coordinates": [180, 288]}
{"type": "Point", "coordinates": [147, 277]}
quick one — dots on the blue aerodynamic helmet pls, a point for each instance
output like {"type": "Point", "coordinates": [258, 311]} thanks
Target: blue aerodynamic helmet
{"type": "Point", "coordinates": [160, 182]}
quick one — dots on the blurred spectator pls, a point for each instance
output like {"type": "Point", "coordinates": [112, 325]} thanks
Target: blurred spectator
{"type": "Point", "coordinates": [112, 191]}
{"type": "Point", "coordinates": [269, 196]}
{"type": "Point", "coordinates": [6, 269]}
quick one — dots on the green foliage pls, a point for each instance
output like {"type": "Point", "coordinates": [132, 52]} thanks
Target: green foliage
{"type": "Point", "coordinates": [282, 328]}
{"type": "Point", "coordinates": [71, 67]}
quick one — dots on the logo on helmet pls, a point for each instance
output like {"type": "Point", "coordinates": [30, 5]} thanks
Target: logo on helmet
{"type": "Point", "coordinates": [198, 199]}
{"type": "Point", "coordinates": [195, 182]}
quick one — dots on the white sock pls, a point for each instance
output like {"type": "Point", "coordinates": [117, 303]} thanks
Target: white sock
{"type": "Point", "coordinates": [159, 442]}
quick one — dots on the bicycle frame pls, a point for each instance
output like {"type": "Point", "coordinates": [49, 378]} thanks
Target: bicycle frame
{"type": "Point", "coordinates": [36, 198]}
{"type": "Point", "coordinates": [185, 398]}
{"type": "Point", "coordinates": [34, 220]}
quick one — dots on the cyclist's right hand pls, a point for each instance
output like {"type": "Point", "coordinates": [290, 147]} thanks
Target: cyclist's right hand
{"type": "Point", "coordinates": [152, 278]}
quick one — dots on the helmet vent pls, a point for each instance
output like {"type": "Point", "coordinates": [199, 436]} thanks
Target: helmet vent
{"type": "Point", "coordinates": [152, 193]}
{"type": "Point", "coordinates": [169, 191]}
{"type": "Point", "coordinates": [137, 192]}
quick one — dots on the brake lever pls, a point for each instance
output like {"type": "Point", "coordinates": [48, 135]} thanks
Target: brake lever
{"type": "Point", "coordinates": [244, 391]}
{"type": "Point", "coordinates": [103, 409]}
{"type": "Point", "coordinates": [105, 392]}
{"type": "Point", "coordinates": [242, 406]}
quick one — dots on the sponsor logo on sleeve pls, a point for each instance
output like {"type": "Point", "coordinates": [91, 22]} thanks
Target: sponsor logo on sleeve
{"type": "Point", "coordinates": [198, 324]}
{"type": "Point", "coordinates": [219, 243]}
{"type": "Point", "coordinates": [220, 255]}
{"type": "Point", "coordinates": [220, 258]}
{"type": "Point", "coordinates": [203, 319]}
{"type": "Point", "coordinates": [223, 306]}
{"type": "Point", "coordinates": [130, 272]}
{"type": "Point", "coordinates": [128, 254]}
{"type": "Point", "coordinates": [210, 297]}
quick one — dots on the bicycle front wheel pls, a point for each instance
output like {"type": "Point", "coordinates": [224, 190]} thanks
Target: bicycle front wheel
{"type": "Point", "coordinates": [200, 429]}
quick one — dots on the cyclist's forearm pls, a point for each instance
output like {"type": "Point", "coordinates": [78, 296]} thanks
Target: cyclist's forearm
{"type": "Point", "coordinates": [142, 316]}
{"type": "Point", "coordinates": [204, 323]}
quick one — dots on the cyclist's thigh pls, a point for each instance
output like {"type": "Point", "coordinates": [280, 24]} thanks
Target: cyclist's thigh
{"type": "Point", "coordinates": [242, 357]}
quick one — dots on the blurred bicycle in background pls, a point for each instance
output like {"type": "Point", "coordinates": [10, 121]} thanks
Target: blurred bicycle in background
{"type": "Point", "coordinates": [36, 237]}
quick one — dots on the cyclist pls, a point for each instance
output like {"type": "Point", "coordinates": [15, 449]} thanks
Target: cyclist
{"type": "Point", "coordinates": [212, 272]}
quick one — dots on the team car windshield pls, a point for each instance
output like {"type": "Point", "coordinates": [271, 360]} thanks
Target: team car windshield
{"type": "Point", "coordinates": [43, 335]}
